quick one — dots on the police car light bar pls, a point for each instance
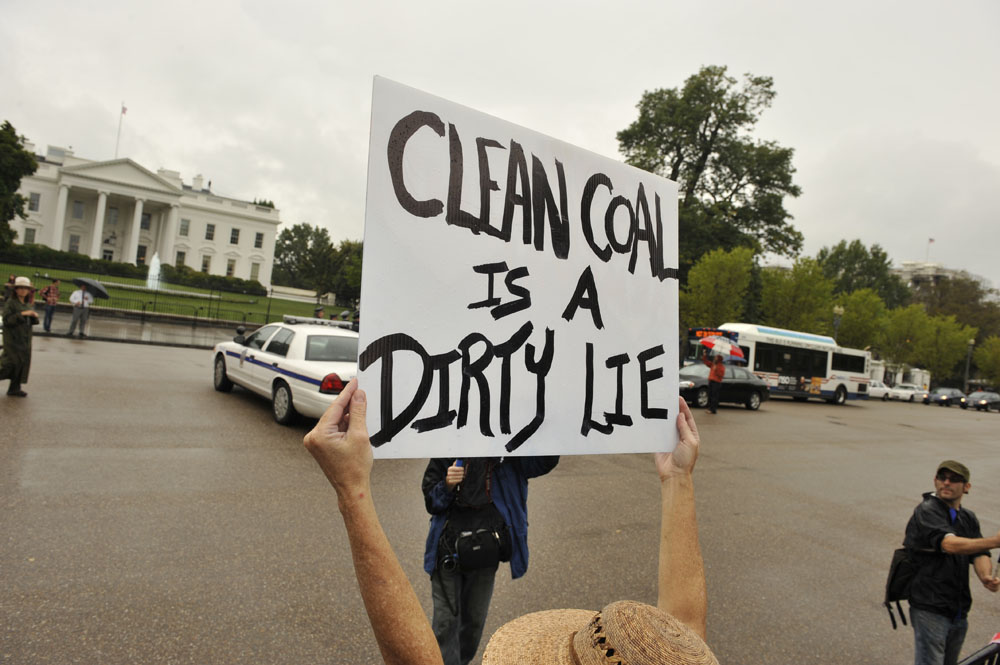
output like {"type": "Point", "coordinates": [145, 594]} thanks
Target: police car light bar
{"type": "Point", "coordinates": [288, 318]}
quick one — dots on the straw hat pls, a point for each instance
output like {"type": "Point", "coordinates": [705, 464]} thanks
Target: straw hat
{"type": "Point", "coordinates": [624, 632]}
{"type": "Point", "coordinates": [22, 281]}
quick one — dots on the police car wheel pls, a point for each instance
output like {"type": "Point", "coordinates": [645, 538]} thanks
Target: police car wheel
{"type": "Point", "coordinates": [281, 404]}
{"type": "Point", "coordinates": [221, 379]}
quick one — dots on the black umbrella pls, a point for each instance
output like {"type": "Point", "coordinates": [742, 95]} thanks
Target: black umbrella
{"type": "Point", "coordinates": [95, 288]}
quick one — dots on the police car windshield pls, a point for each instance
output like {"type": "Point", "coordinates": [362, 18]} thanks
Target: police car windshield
{"type": "Point", "coordinates": [331, 348]}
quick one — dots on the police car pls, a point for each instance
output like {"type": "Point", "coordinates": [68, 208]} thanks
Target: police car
{"type": "Point", "coordinates": [301, 364]}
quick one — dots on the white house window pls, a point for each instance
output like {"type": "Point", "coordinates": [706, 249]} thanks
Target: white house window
{"type": "Point", "coordinates": [180, 259]}
{"type": "Point", "coordinates": [112, 216]}
{"type": "Point", "coordinates": [234, 237]}
{"type": "Point", "coordinates": [144, 221]}
{"type": "Point", "coordinates": [258, 241]}
{"type": "Point", "coordinates": [29, 236]}
{"type": "Point", "coordinates": [254, 271]}
{"type": "Point", "coordinates": [108, 254]}
{"type": "Point", "coordinates": [77, 209]}
{"type": "Point", "coordinates": [74, 243]}
{"type": "Point", "coordinates": [140, 255]}
{"type": "Point", "coordinates": [206, 262]}
{"type": "Point", "coordinates": [185, 226]}
{"type": "Point", "coordinates": [33, 201]}
{"type": "Point", "coordinates": [230, 267]}
{"type": "Point", "coordinates": [210, 232]}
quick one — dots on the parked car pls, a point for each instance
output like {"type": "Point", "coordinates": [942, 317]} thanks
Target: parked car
{"type": "Point", "coordinates": [982, 401]}
{"type": "Point", "coordinates": [945, 397]}
{"type": "Point", "coordinates": [301, 364]}
{"type": "Point", "coordinates": [906, 392]}
{"type": "Point", "coordinates": [739, 385]}
{"type": "Point", "coordinates": [878, 390]}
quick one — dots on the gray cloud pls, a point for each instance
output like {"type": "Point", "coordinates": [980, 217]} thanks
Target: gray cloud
{"type": "Point", "coordinates": [890, 106]}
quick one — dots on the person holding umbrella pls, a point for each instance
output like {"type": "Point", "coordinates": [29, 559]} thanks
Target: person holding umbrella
{"type": "Point", "coordinates": [81, 301]}
{"type": "Point", "coordinates": [18, 317]}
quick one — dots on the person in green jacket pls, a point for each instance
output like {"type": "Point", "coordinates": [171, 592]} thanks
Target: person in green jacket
{"type": "Point", "coordinates": [18, 317]}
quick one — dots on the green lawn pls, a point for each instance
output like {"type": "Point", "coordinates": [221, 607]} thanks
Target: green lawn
{"type": "Point", "coordinates": [131, 294]}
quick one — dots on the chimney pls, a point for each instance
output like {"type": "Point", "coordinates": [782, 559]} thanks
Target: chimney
{"type": "Point", "coordinates": [196, 183]}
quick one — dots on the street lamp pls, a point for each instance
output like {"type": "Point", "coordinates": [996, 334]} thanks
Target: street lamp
{"type": "Point", "coordinates": [968, 357]}
{"type": "Point", "coordinates": [838, 312]}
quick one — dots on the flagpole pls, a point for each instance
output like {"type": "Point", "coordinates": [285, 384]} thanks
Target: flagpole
{"type": "Point", "coordinates": [927, 256]}
{"type": "Point", "coordinates": [121, 116]}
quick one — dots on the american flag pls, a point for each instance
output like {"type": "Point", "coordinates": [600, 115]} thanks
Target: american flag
{"type": "Point", "coordinates": [124, 109]}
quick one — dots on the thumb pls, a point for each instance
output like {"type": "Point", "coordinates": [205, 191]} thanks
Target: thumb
{"type": "Point", "coordinates": [359, 407]}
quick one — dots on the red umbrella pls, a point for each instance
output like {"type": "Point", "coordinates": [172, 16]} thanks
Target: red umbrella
{"type": "Point", "coordinates": [723, 347]}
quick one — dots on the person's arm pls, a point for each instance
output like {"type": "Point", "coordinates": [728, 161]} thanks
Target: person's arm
{"type": "Point", "coordinates": [341, 446]}
{"type": "Point", "coordinates": [952, 544]}
{"type": "Point", "coordinates": [439, 483]}
{"type": "Point", "coordinates": [982, 565]}
{"type": "Point", "coordinates": [682, 590]}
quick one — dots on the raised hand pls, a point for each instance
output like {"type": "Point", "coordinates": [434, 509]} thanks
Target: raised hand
{"type": "Point", "coordinates": [682, 459]}
{"type": "Point", "coordinates": [341, 446]}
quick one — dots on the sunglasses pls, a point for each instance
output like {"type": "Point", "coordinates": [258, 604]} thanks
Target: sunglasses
{"type": "Point", "coordinates": [950, 477]}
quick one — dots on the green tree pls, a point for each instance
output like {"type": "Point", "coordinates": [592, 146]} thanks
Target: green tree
{"type": "Point", "coordinates": [905, 328]}
{"type": "Point", "coordinates": [15, 163]}
{"type": "Point", "coordinates": [717, 288]}
{"type": "Point", "coordinates": [732, 186]}
{"type": "Point", "coordinates": [864, 318]}
{"type": "Point", "coordinates": [798, 299]}
{"type": "Point", "coordinates": [943, 346]}
{"type": "Point", "coordinates": [347, 278]}
{"type": "Point", "coordinates": [965, 298]}
{"type": "Point", "coordinates": [303, 258]}
{"type": "Point", "coordinates": [852, 266]}
{"type": "Point", "coordinates": [987, 356]}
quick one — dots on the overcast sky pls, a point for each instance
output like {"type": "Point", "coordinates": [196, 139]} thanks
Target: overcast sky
{"type": "Point", "coordinates": [892, 108]}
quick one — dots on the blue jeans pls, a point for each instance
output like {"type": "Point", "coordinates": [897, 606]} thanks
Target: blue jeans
{"type": "Point", "coordinates": [461, 602]}
{"type": "Point", "coordinates": [49, 311]}
{"type": "Point", "coordinates": [937, 638]}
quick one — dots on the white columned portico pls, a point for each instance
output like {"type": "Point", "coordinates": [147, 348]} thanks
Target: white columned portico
{"type": "Point", "coordinates": [133, 236]}
{"type": "Point", "coordinates": [60, 220]}
{"type": "Point", "coordinates": [169, 233]}
{"type": "Point", "coordinates": [95, 241]}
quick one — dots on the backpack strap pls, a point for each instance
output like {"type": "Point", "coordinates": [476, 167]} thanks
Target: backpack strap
{"type": "Point", "coordinates": [892, 617]}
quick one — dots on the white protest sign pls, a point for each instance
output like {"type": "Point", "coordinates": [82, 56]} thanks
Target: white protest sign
{"type": "Point", "coordinates": [519, 294]}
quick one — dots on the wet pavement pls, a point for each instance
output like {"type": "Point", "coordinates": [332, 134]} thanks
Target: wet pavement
{"type": "Point", "coordinates": [147, 518]}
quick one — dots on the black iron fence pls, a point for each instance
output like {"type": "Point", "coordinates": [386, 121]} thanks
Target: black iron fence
{"type": "Point", "coordinates": [136, 299]}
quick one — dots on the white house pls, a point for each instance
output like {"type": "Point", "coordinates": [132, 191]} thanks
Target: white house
{"type": "Point", "coordinates": [120, 211]}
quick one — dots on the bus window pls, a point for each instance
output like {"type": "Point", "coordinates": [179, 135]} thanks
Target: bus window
{"type": "Point", "coordinates": [847, 363]}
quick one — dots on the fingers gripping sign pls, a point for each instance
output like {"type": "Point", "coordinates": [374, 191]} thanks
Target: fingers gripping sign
{"type": "Point", "coordinates": [682, 459]}
{"type": "Point", "coordinates": [341, 446]}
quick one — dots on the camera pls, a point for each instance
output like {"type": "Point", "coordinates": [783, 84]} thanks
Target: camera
{"type": "Point", "coordinates": [449, 562]}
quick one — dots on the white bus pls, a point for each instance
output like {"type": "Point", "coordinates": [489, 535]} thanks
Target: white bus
{"type": "Point", "coordinates": [800, 365]}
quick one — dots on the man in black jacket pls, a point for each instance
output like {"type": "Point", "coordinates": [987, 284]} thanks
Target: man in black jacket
{"type": "Point", "coordinates": [944, 539]}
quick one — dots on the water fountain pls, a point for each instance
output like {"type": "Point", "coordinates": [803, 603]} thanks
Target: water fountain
{"type": "Point", "coordinates": [153, 278]}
